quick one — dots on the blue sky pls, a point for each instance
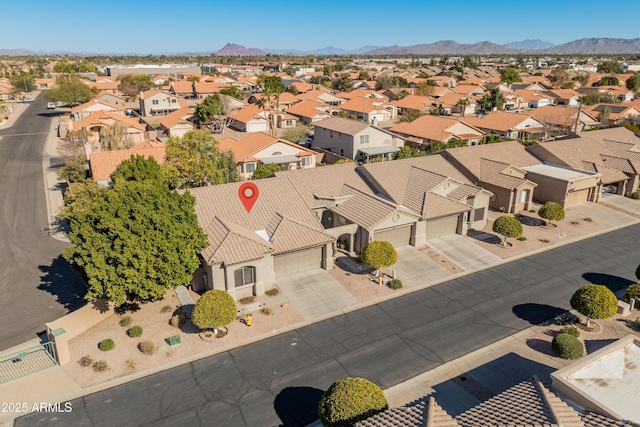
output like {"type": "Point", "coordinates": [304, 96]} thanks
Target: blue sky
{"type": "Point", "coordinates": [161, 26]}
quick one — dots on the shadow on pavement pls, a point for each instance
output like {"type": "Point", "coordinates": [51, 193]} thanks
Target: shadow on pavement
{"type": "Point", "coordinates": [477, 385]}
{"type": "Point", "coordinates": [531, 221]}
{"type": "Point", "coordinates": [536, 313]}
{"type": "Point", "coordinates": [297, 406]}
{"type": "Point", "coordinates": [483, 236]}
{"type": "Point", "coordinates": [60, 280]}
{"type": "Point", "coordinates": [614, 283]}
{"type": "Point", "coordinates": [352, 265]}
{"type": "Point", "coordinates": [595, 345]}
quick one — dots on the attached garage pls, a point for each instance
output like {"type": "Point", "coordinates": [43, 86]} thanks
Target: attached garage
{"type": "Point", "coordinates": [397, 236]}
{"type": "Point", "coordinates": [577, 197]}
{"type": "Point", "coordinates": [441, 227]}
{"type": "Point", "coordinates": [298, 261]}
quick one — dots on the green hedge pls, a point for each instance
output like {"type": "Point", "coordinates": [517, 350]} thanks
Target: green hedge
{"type": "Point", "coordinates": [395, 284]}
{"type": "Point", "coordinates": [350, 400]}
{"type": "Point", "coordinates": [567, 346]}
{"type": "Point", "coordinates": [571, 330]}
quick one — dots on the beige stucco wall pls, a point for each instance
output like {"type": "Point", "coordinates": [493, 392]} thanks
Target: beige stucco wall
{"type": "Point", "coordinates": [557, 190]}
{"type": "Point", "coordinates": [76, 323]}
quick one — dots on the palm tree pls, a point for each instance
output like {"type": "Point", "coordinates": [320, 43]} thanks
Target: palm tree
{"type": "Point", "coordinates": [463, 103]}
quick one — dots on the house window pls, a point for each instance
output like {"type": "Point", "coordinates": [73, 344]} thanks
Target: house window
{"type": "Point", "coordinates": [364, 139]}
{"type": "Point", "coordinates": [245, 276]}
{"type": "Point", "coordinates": [154, 102]}
{"type": "Point", "coordinates": [173, 100]}
{"type": "Point", "coordinates": [306, 161]}
{"type": "Point", "coordinates": [524, 196]}
{"type": "Point", "coordinates": [478, 214]}
{"type": "Point", "coordinates": [249, 167]}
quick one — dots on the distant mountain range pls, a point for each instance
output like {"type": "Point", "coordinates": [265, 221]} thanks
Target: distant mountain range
{"type": "Point", "coordinates": [531, 44]}
{"type": "Point", "coordinates": [448, 47]}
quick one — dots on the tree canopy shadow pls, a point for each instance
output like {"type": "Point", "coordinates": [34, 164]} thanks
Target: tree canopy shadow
{"type": "Point", "coordinates": [66, 285]}
{"type": "Point", "coordinates": [484, 236]}
{"type": "Point", "coordinates": [352, 265]}
{"type": "Point", "coordinates": [531, 221]}
{"type": "Point", "coordinates": [536, 313]}
{"type": "Point", "coordinates": [615, 283]}
{"type": "Point", "coordinates": [297, 406]}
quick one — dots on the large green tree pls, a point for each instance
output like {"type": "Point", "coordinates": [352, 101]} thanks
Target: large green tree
{"type": "Point", "coordinates": [133, 240]}
{"type": "Point", "coordinates": [493, 99]}
{"type": "Point", "coordinates": [342, 84]}
{"type": "Point", "coordinates": [232, 91]}
{"type": "Point", "coordinates": [266, 170]}
{"type": "Point", "coordinates": [23, 82]}
{"type": "Point", "coordinates": [610, 67]}
{"type": "Point", "coordinates": [608, 81]}
{"type": "Point", "coordinates": [70, 90]}
{"type": "Point", "coordinates": [407, 152]}
{"type": "Point", "coordinates": [633, 83]}
{"type": "Point", "coordinates": [551, 211]}
{"type": "Point", "coordinates": [510, 75]}
{"type": "Point", "coordinates": [132, 84]}
{"type": "Point", "coordinates": [194, 160]}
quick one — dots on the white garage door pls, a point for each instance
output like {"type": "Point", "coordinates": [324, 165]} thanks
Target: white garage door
{"type": "Point", "coordinates": [298, 261]}
{"type": "Point", "coordinates": [442, 227]}
{"type": "Point", "coordinates": [399, 236]}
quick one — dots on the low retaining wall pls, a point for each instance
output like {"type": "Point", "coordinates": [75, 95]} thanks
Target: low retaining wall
{"type": "Point", "coordinates": [64, 329]}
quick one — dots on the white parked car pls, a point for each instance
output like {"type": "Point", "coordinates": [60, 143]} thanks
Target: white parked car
{"type": "Point", "coordinates": [51, 105]}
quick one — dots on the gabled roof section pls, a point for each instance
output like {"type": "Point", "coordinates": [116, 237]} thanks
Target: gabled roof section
{"type": "Point", "coordinates": [342, 125]}
{"type": "Point", "coordinates": [500, 121]}
{"type": "Point", "coordinates": [105, 163]}
{"type": "Point", "coordinates": [498, 174]}
{"type": "Point", "coordinates": [393, 178]}
{"type": "Point", "coordinates": [366, 209]}
{"type": "Point", "coordinates": [288, 235]}
{"type": "Point", "coordinates": [248, 113]}
{"type": "Point", "coordinates": [247, 147]}
{"type": "Point", "coordinates": [231, 244]}
{"type": "Point", "coordinates": [106, 104]}
{"type": "Point", "coordinates": [177, 117]}
{"type": "Point", "coordinates": [526, 404]}
{"type": "Point", "coordinates": [436, 128]}
{"type": "Point", "coordinates": [424, 414]}
{"type": "Point", "coordinates": [437, 206]}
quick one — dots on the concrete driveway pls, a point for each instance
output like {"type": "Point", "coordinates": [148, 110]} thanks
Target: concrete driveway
{"type": "Point", "coordinates": [415, 268]}
{"type": "Point", "coordinates": [620, 202]}
{"type": "Point", "coordinates": [603, 214]}
{"type": "Point", "coordinates": [463, 252]}
{"type": "Point", "coordinates": [315, 293]}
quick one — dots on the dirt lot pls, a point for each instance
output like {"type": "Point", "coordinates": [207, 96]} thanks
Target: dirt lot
{"type": "Point", "coordinates": [156, 327]}
{"type": "Point", "coordinates": [538, 236]}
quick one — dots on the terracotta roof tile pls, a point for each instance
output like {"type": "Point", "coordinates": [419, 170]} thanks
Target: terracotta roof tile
{"type": "Point", "coordinates": [247, 147]}
{"type": "Point", "coordinates": [231, 244]}
{"type": "Point", "coordinates": [105, 163]}
{"type": "Point", "coordinates": [436, 128]}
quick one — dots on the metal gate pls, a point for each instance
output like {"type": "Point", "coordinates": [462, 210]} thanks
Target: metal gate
{"type": "Point", "coordinates": [26, 362]}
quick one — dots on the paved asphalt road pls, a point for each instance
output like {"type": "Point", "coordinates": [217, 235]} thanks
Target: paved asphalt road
{"type": "Point", "coordinates": [278, 381]}
{"type": "Point", "coordinates": [36, 284]}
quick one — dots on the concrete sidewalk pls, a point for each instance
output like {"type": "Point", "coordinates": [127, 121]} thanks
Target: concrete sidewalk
{"type": "Point", "coordinates": [463, 252]}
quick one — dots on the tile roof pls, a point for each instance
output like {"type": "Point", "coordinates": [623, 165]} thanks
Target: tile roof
{"type": "Point", "coordinates": [364, 105]}
{"type": "Point", "coordinates": [248, 113]}
{"type": "Point", "coordinates": [108, 105]}
{"type": "Point", "coordinates": [107, 118]}
{"type": "Point", "coordinates": [413, 102]}
{"type": "Point", "coordinates": [324, 181]}
{"type": "Point", "coordinates": [559, 115]}
{"type": "Point", "coordinates": [251, 144]}
{"type": "Point", "coordinates": [499, 120]}
{"type": "Point", "coordinates": [105, 163]}
{"type": "Point", "coordinates": [364, 208]}
{"type": "Point", "coordinates": [528, 403]}
{"type": "Point", "coordinates": [208, 87]}
{"type": "Point", "coordinates": [473, 157]}
{"type": "Point", "coordinates": [435, 128]}
{"type": "Point", "coordinates": [342, 125]}
{"type": "Point", "coordinates": [300, 227]}
{"type": "Point", "coordinates": [424, 414]}
{"type": "Point", "coordinates": [394, 178]}
{"type": "Point", "coordinates": [231, 244]}
{"type": "Point", "coordinates": [497, 173]}
{"type": "Point", "coordinates": [177, 117]}
{"type": "Point", "coordinates": [309, 109]}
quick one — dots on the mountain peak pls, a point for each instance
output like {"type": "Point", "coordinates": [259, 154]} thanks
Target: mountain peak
{"type": "Point", "coordinates": [231, 49]}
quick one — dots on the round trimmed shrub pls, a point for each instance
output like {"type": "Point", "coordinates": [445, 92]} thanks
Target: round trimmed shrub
{"type": "Point", "coordinates": [85, 361]}
{"type": "Point", "coordinates": [395, 284]}
{"type": "Point", "coordinates": [147, 347]}
{"type": "Point", "coordinates": [635, 195]}
{"type": "Point", "coordinates": [571, 330]}
{"type": "Point", "coordinates": [379, 254]}
{"type": "Point", "coordinates": [214, 309]}
{"type": "Point", "coordinates": [166, 309]}
{"type": "Point", "coordinates": [595, 302]}
{"type": "Point", "coordinates": [350, 400]}
{"type": "Point", "coordinates": [106, 345]}
{"type": "Point", "coordinates": [551, 211]}
{"type": "Point", "coordinates": [101, 366]}
{"type": "Point", "coordinates": [507, 226]}
{"type": "Point", "coordinates": [567, 346]}
{"type": "Point", "coordinates": [135, 332]}
{"type": "Point", "coordinates": [126, 321]}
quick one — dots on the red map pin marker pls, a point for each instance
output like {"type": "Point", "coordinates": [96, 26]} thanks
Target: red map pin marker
{"type": "Point", "coordinates": [248, 193]}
